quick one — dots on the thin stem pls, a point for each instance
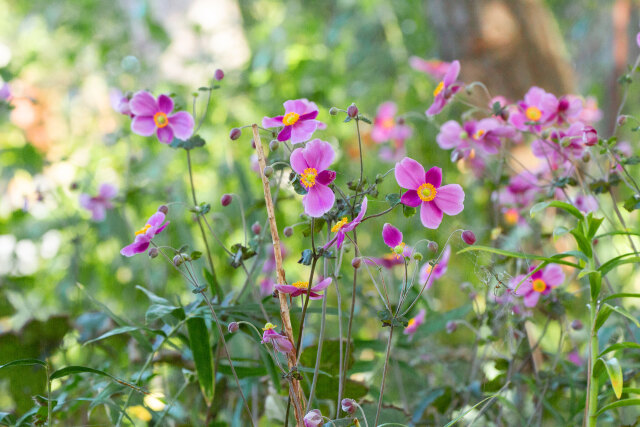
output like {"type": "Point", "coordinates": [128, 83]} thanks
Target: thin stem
{"type": "Point", "coordinates": [384, 374]}
{"type": "Point", "coordinates": [592, 381]}
{"type": "Point", "coordinates": [349, 327]}
{"type": "Point", "coordinates": [49, 406]}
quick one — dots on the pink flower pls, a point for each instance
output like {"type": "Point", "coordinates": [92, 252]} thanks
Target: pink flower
{"type": "Point", "coordinates": [429, 273]}
{"type": "Point", "coordinates": [342, 227]}
{"type": "Point", "coordinates": [425, 190]}
{"type": "Point", "coordinates": [385, 126]}
{"type": "Point", "coordinates": [266, 287]}
{"type": "Point", "coordinates": [120, 102]}
{"type": "Point", "coordinates": [445, 90]}
{"type": "Point", "coordinates": [153, 227]}
{"type": "Point", "coordinates": [5, 92]}
{"type": "Point", "coordinates": [567, 109]}
{"type": "Point", "coordinates": [313, 418]}
{"type": "Point", "coordinates": [535, 110]}
{"type": "Point", "coordinates": [311, 163]}
{"type": "Point", "coordinates": [561, 147]}
{"type": "Point", "coordinates": [415, 322]}
{"type": "Point", "coordinates": [521, 190]}
{"type": "Point", "coordinates": [279, 341]}
{"type": "Point", "coordinates": [99, 204]}
{"type": "Point", "coordinates": [485, 134]}
{"type": "Point", "coordinates": [540, 283]}
{"type": "Point", "coordinates": [155, 116]}
{"type": "Point", "coordinates": [298, 120]}
{"type": "Point", "coordinates": [301, 288]}
{"type": "Point", "coordinates": [574, 357]}
{"type": "Point", "coordinates": [586, 204]}
{"type": "Point", "coordinates": [590, 112]}
{"type": "Point", "coordinates": [433, 67]}
{"type": "Point", "coordinates": [393, 238]}
{"type": "Point", "coordinates": [387, 261]}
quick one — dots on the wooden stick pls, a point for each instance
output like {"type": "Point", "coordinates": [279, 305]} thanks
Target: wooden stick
{"type": "Point", "coordinates": [296, 396]}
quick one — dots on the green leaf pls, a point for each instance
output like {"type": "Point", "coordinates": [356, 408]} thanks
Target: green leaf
{"type": "Point", "coordinates": [615, 374]}
{"type": "Point", "coordinates": [559, 231]}
{"type": "Point", "coordinates": [113, 332]}
{"type": "Point", "coordinates": [202, 355]}
{"type": "Point", "coordinates": [618, 404]}
{"type": "Point", "coordinates": [621, 295]}
{"type": "Point", "coordinates": [189, 144]}
{"type": "Point", "coordinates": [461, 416]}
{"type": "Point", "coordinates": [623, 312]}
{"type": "Point", "coordinates": [393, 199]}
{"type": "Point", "coordinates": [71, 370]}
{"type": "Point", "coordinates": [619, 346]}
{"type": "Point", "coordinates": [581, 240]}
{"type": "Point", "coordinates": [24, 362]}
{"type": "Point", "coordinates": [556, 204]}
{"type": "Point", "coordinates": [555, 259]}
{"type": "Point", "coordinates": [617, 261]}
{"type": "Point", "coordinates": [603, 315]}
{"type": "Point", "coordinates": [153, 297]}
{"type": "Point", "coordinates": [594, 225]}
{"type": "Point", "coordinates": [595, 284]}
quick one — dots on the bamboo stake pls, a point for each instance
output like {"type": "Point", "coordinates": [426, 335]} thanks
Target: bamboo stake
{"type": "Point", "coordinates": [296, 395]}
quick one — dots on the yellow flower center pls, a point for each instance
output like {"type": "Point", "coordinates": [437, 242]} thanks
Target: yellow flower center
{"type": "Point", "coordinates": [533, 114]}
{"type": "Point", "coordinates": [160, 119]}
{"type": "Point", "coordinates": [339, 224]}
{"type": "Point", "coordinates": [427, 192]}
{"type": "Point", "coordinates": [388, 123]}
{"type": "Point", "coordinates": [511, 216]}
{"type": "Point", "coordinates": [308, 178]}
{"type": "Point", "coordinates": [290, 118]}
{"type": "Point", "coordinates": [429, 268]}
{"type": "Point", "coordinates": [472, 154]}
{"type": "Point", "coordinates": [438, 89]}
{"type": "Point", "coordinates": [539, 285]}
{"type": "Point", "coordinates": [479, 134]}
{"type": "Point", "coordinates": [301, 285]}
{"type": "Point", "coordinates": [412, 322]}
{"type": "Point", "coordinates": [268, 326]}
{"type": "Point", "coordinates": [143, 229]}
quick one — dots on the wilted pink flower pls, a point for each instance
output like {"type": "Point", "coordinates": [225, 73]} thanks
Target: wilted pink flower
{"type": "Point", "coordinates": [445, 90]}
{"type": "Point", "coordinates": [535, 110]}
{"type": "Point", "coordinates": [153, 227]}
{"type": "Point", "coordinates": [313, 418]}
{"type": "Point", "coordinates": [539, 283]}
{"type": "Point", "coordinates": [298, 121]}
{"type": "Point", "coordinates": [415, 322]}
{"type": "Point", "coordinates": [302, 288]}
{"type": "Point", "coordinates": [5, 92]}
{"type": "Point", "coordinates": [153, 115]}
{"type": "Point", "coordinates": [425, 190]}
{"type": "Point", "coordinates": [429, 273]}
{"type": "Point", "coordinates": [344, 226]}
{"type": "Point", "coordinates": [279, 341]}
{"type": "Point", "coordinates": [99, 204]}
{"type": "Point", "coordinates": [433, 67]}
{"type": "Point", "coordinates": [266, 287]}
{"type": "Point", "coordinates": [393, 238]}
{"type": "Point", "coordinates": [311, 163]}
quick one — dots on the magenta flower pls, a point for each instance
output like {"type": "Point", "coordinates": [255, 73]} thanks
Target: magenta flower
{"type": "Point", "coordinates": [311, 163]}
{"type": "Point", "coordinates": [393, 238]}
{"type": "Point", "coordinates": [387, 261]}
{"type": "Point", "coordinates": [586, 204]}
{"type": "Point", "coordinates": [301, 288]}
{"type": "Point", "coordinates": [153, 227]}
{"type": "Point", "coordinates": [313, 418]}
{"type": "Point", "coordinates": [298, 121]}
{"type": "Point", "coordinates": [574, 357]}
{"type": "Point", "coordinates": [342, 227]}
{"type": "Point", "coordinates": [155, 116]}
{"type": "Point", "coordinates": [485, 134]}
{"type": "Point", "coordinates": [385, 126]}
{"type": "Point", "coordinates": [120, 102]}
{"type": "Point", "coordinates": [424, 190]}
{"type": "Point", "coordinates": [5, 92]}
{"type": "Point", "coordinates": [566, 109]}
{"type": "Point", "coordinates": [535, 110]}
{"type": "Point", "coordinates": [266, 287]}
{"type": "Point", "coordinates": [539, 283]}
{"type": "Point", "coordinates": [279, 341]}
{"type": "Point", "coordinates": [429, 273]}
{"type": "Point", "coordinates": [415, 322]}
{"type": "Point", "coordinates": [445, 90]}
{"type": "Point", "coordinates": [99, 204]}
{"type": "Point", "coordinates": [561, 146]}
{"type": "Point", "coordinates": [433, 67]}
{"type": "Point", "coordinates": [590, 112]}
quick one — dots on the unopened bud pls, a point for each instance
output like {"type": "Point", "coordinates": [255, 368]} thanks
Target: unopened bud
{"type": "Point", "coordinates": [621, 120]}
{"type": "Point", "coordinates": [348, 406]}
{"type": "Point", "coordinates": [417, 256]}
{"type": "Point", "coordinates": [74, 186]}
{"type": "Point", "coordinates": [274, 145]}
{"type": "Point", "coordinates": [468, 237]}
{"type": "Point", "coordinates": [451, 326]}
{"type": "Point", "coordinates": [268, 171]}
{"type": "Point", "coordinates": [226, 199]}
{"type": "Point", "coordinates": [333, 111]}
{"type": "Point", "coordinates": [589, 136]}
{"type": "Point", "coordinates": [178, 260]}
{"type": "Point", "coordinates": [153, 252]}
{"type": "Point", "coordinates": [400, 120]}
{"type": "Point", "coordinates": [164, 209]}
{"type": "Point", "coordinates": [256, 228]}
{"type": "Point", "coordinates": [355, 263]}
{"type": "Point", "coordinates": [235, 133]}
{"type": "Point", "coordinates": [352, 111]}
{"type": "Point", "coordinates": [433, 247]}
{"type": "Point", "coordinates": [233, 327]}
{"type": "Point", "coordinates": [218, 74]}
{"type": "Point", "coordinates": [576, 325]}
{"type": "Point", "coordinates": [288, 231]}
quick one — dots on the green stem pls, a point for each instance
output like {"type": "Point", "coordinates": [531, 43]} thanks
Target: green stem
{"type": "Point", "coordinates": [384, 374]}
{"type": "Point", "coordinates": [592, 381]}
{"type": "Point", "coordinates": [49, 409]}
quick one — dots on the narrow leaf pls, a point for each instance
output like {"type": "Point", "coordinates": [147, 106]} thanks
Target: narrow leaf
{"type": "Point", "coordinates": [202, 355]}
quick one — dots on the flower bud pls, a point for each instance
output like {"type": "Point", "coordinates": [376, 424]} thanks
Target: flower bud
{"type": "Point", "coordinates": [313, 418]}
{"type": "Point", "coordinates": [256, 228]}
{"type": "Point", "coordinates": [233, 327]}
{"type": "Point", "coordinates": [333, 111]}
{"type": "Point", "coordinates": [218, 74]}
{"type": "Point", "coordinates": [74, 186]}
{"type": "Point", "coordinates": [352, 111]}
{"type": "Point", "coordinates": [355, 263]}
{"type": "Point", "coordinates": [178, 260]}
{"type": "Point", "coordinates": [268, 171]}
{"type": "Point", "coordinates": [586, 157]}
{"type": "Point", "coordinates": [253, 144]}
{"type": "Point", "coordinates": [417, 256]}
{"type": "Point", "coordinates": [153, 252]}
{"type": "Point", "coordinates": [163, 208]}
{"type": "Point", "coordinates": [226, 199]}
{"type": "Point", "coordinates": [451, 326]}
{"type": "Point", "coordinates": [400, 120]}
{"type": "Point", "coordinates": [468, 237]}
{"type": "Point", "coordinates": [348, 406]}
{"type": "Point", "coordinates": [433, 247]}
{"type": "Point", "coordinates": [621, 120]}
{"type": "Point", "coordinates": [589, 136]}
{"type": "Point", "coordinates": [288, 231]}
{"type": "Point", "coordinates": [274, 145]}
{"type": "Point", "coordinates": [235, 133]}
{"type": "Point", "coordinates": [576, 325]}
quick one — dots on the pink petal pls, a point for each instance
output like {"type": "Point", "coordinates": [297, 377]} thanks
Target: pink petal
{"type": "Point", "coordinates": [392, 236]}
{"type": "Point", "coordinates": [531, 299]}
{"type": "Point", "coordinates": [452, 73]}
{"type": "Point", "coordinates": [302, 131]}
{"type": "Point", "coordinates": [434, 176]}
{"type": "Point", "coordinates": [272, 122]}
{"type": "Point", "coordinates": [449, 136]}
{"type": "Point", "coordinates": [308, 116]}
{"type": "Point", "coordinates": [318, 201]}
{"type": "Point", "coordinates": [137, 247]}
{"type": "Point", "coordinates": [285, 133]}
{"type": "Point", "coordinates": [326, 177]}
{"type": "Point", "coordinates": [162, 227]}
{"type": "Point", "coordinates": [298, 162]}
{"type": "Point", "coordinates": [165, 135]}
{"type": "Point", "coordinates": [322, 285]}
{"type": "Point", "coordinates": [156, 219]}
{"type": "Point", "coordinates": [182, 124]}
{"type": "Point", "coordinates": [409, 174]}
{"type": "Point", "coordinates": [430, 215]}
{"type": "Point", "coordinates": [108, 191]}
{"type": "Point", "coordinates": [386, 110]}
{"type": "Point", "coordinates": [450, 198]}
{"type": "Point", "coordinates": [318, 154]}
{"type": "Point", "coordinates": [143, 125]}
{"type": "Point", "coordinates": [143, 104]}
{"type": "Point", "coordinates": [363, 210]}
{"type": "Point", "coordinates": [438, 104]}
{"type": "Point", "coordinates": [286, 289]}
{"type": "Point", "coordinates": [553, 275]}
{"type": "Point", "coordinates": [411, 198]}
{"type": "Point", "coordinates": [165, 104]}
{"type": "Point", "coordinates": [295, 106]}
